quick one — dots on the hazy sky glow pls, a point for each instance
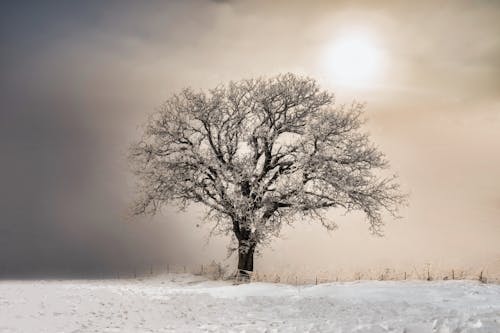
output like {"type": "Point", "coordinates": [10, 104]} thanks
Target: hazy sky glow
{"type": "Point", "coordinates": [79, 77]}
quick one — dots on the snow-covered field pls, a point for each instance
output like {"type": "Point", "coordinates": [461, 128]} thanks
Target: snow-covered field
{"type": "Point", "coordinates": [184, 303]}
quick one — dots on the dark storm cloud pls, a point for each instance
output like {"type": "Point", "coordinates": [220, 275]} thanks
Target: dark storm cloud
{"type": "Point", "coordinates": [63, 198]}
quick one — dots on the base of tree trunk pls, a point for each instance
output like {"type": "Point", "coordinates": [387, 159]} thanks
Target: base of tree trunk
{"type": "Point", "coordinates": [245, 265]}
{"type": "Point", "coordinates": [243, 276]}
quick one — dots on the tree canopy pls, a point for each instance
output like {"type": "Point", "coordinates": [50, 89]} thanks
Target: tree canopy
{"type": "Point", "coordinates": [259, 153]}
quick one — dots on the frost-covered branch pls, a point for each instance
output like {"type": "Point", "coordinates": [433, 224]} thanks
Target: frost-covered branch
{"type": "Point", "coordinates": [258, 153]}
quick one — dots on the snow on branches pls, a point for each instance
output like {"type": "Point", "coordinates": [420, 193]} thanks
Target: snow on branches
{"type": "Point", "coordinates": [259, 153]}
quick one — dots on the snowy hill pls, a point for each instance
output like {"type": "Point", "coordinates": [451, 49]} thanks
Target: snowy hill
{"type": "Point", "coordinates": [185, 303]}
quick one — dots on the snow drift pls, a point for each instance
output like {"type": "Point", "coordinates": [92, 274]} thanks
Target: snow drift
{"type": "Point", "coordinates": [186, 303]}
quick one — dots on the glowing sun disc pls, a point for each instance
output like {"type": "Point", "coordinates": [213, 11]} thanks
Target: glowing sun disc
{"type": "Point", "coordinates": [354, 60]}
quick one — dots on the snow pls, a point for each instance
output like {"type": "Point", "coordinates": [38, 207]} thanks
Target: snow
{"type": "Point", "coordinates": [186, 303]}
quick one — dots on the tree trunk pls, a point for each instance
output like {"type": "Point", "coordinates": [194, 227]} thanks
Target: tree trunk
{"type": "Point", "coordinates": [245, 262]}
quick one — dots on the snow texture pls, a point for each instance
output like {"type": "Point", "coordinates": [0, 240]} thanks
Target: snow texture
{"type": "Point", "coordinates": [186, 303]}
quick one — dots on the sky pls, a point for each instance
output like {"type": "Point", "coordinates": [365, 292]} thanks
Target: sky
{"type": "Point", "coordinates": [79, 78]}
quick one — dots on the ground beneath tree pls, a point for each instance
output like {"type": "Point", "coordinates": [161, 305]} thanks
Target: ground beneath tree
{"type": "Point", "coordinates": [185, 303]}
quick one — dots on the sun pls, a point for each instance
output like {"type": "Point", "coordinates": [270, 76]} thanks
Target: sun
{"type": "Point", "coordinates": [354, 60]}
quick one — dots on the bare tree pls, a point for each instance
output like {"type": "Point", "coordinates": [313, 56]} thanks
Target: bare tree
{"type": "Point", "coordinates": [259, 153]}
